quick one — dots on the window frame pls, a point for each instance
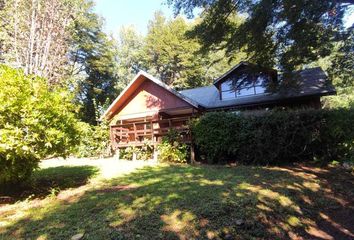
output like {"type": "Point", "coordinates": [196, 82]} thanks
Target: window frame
{"type": "Point", "coordinates": [236, 95]}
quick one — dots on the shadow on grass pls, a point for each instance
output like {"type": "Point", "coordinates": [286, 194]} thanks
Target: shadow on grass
{"type": "Point", "coordinates": [186, 202]}
{"type": "Point", "coordinates": [50, 180]}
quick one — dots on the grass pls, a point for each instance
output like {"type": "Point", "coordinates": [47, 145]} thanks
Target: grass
{"type": "Point", "coordinates": [51, 180]}
{"type": "Point", "coordinates": [192, 202]}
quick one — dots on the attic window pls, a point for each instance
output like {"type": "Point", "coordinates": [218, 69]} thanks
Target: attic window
{"type": "Point", "coordinates": [244, 85]}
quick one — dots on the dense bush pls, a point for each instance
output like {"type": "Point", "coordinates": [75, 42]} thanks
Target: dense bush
{"type": "Point", "coordinates": [144, 152]}
{"type": "Point", "coordinates": [276, 137]}
{"type": "Point", "coordinates": [35, 122]}
{"type": "Point", "coordinates": [171, 149]}
{"type": "Point", "coordinates": [94, 140]}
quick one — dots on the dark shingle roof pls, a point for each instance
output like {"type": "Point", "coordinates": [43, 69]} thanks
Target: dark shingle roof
{"type": "Point", "coordinates": [312, 82]}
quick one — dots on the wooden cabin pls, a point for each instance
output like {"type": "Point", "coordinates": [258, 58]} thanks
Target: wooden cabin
{"type": "Point", "coordinates": [147, 108]}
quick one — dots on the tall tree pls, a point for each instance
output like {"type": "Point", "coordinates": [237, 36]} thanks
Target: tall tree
{"type": "Point", "coordinates": [177, 59]}
{"type": "Point", "coordinates": [170, 55]}
{"type": "Point", "coordinates": [283, 33]}
{"type": "Point", "coordinates": [93, 61]}
{"type": "Point", "coordinates": [129, 55]}
{"type": "Point", "coordinates": [35, 35]}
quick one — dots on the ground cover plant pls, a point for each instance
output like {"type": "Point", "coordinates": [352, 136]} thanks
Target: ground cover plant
{"type": "Point", "coordinates": [193, 202]}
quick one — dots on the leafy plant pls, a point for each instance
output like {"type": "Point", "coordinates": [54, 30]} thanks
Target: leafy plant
{"type": "Point", "coordinates": [35, 122]}
{"type": "Point", "coordinates": [94, 140]}
{"type": "Point", "coordinates": [172, 149]}
{"type": "Point", "coordinates": [144, 152]}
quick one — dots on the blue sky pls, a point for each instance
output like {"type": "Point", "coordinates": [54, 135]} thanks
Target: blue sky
{"type": "Point", "coordinates": [119, 13]}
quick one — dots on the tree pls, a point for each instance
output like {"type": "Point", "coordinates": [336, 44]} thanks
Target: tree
{"type": "Point", "coordinates": [178, 59]}
{"type": "Point", "coordinates": [36, 121]}
{"type": "Point", "coordinates": [35, 35]}
{"type": "Point", "coordinates": [282, 33]}
{"type": "Point", "coordinates": [93, 61]}
{"type": "Point", "coordinates": [339, 66]}
{"type": "Point", "coordinates": [341, 69]}
{"type": "Point", "coordinates": [170, 55]}
{"type": "Point", "coordinates": [129, 56]}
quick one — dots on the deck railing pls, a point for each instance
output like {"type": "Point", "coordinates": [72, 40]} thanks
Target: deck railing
{"type": "Point", "coordinates": [152, 131]}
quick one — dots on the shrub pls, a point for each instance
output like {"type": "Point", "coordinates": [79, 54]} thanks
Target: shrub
{"type": "Point", "coordinates": [276, 137]}
{"type": "Point", "coordinates": [35, 122]}
{"type": "Point", "coordinates": [127, 153]}
{"type": "Point", "coordinates": [171, 149]}
{"type": "Point", "coordinates": [144, 152]}
{"type": "Point", "coordinates": [94, 140]}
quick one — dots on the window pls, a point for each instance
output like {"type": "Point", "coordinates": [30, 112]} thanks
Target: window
{"type": "Point", "coordinates": [228, 94]}
{"type": "Point", "coordinates": [244, 85]}
{"type": "Point", "coordinates": [226, 86]}
{"type": "Point", "coordinates": [245, 91]}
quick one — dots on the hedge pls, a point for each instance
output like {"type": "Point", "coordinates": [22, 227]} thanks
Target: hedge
{"type": "Point", "coordinates": [276, 137]}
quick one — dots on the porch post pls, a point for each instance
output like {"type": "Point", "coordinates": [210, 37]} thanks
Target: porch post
{"type": "Point", "coordinates": [192, 154]}
{"type": "Point", "coordinates": [156, 154]}
{"type": "Point", "coordinates": [118, 154]}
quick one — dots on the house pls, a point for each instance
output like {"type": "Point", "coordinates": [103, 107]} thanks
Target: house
{"type": "Point", "coordinates": [147, 108]}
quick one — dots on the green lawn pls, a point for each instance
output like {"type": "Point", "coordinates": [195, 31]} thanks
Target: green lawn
{"type": "Point", "coordinates": [189, 202]}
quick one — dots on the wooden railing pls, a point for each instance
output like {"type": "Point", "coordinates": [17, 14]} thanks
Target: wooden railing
{"type": "Point", "coordinates": [137, 133]}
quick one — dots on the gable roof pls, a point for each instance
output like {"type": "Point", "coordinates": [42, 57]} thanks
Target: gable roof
{"type": "Point", "coordinates": [312, 82]}
{"type": "Point", "coordinates": [240, 64]}
{"type": "Point", "coordinates": [140, 77]}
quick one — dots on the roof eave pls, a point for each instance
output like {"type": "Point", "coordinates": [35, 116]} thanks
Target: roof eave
{"type": "Point", "coordinates": [108, 112]}
{"type": "Point", "coordinates": [252, 104]}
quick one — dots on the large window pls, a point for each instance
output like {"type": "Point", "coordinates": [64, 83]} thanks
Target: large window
{"type": "Point", "coordinates": [244, 85]}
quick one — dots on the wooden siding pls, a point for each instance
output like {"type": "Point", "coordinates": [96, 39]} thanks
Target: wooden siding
{"type": "Point", "coordinates": [149, 97]}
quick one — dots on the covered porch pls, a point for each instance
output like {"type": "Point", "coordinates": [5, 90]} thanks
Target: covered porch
{"type": "Point", "coordinates": [150, 128]}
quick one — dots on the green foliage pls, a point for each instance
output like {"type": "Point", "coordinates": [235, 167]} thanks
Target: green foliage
{"type": "Point", "coordinates": [127, 153]}
{"type": "Point", "coordinates": [339, 66]}
{"type": "Point", "coordinates": [50, 181]}
{"type": "Point", "coordinates": [171, 149]}
{"type": "Point", "coordinates": [276, 137]}
{"type": "Point", "coordinates": [343, 99]}
{"type": "Point", "coordinates": [94, 140]}
{"type": "Point", "coordinates": [93, 60]}
{"type": "Point", "coordinates": [146, 152]}
{"type": "Point", "coordinates": [286, 33]}
{"type": "Point", "coordinates": [341, 70]}
{"type": "Point", "coordinates": [171, 55]}
{"type": "Point", "coordinates": [167, 53]}
{"type": "Point", "coordinates": [35, 122]}
{"type": "Point", "coordinates": [129, 56]}
{"type": "Point", "coordinates": [142, 153]}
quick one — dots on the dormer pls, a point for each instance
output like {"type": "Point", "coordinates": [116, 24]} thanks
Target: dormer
{"type": "Point", "coordinates": [245, 80]}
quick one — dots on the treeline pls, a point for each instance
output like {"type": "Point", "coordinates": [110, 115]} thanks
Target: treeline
{"type": "Point", "coordinates": [60, 70]}
{"type": "Point", "coordinates": [64, 42]}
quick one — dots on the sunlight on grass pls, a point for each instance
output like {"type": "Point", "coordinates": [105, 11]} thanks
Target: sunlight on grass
{"type": "Point", "coordinates": [294, 221]}
{"type": "Point", "coordinates": [204, 182]}
{"type": "Point", "coordinates": [313, 186]}
{"type": "Point", "coordinates": [181, 223]}
{"type": "Point", "coordinates": [179, 202]}
{"type": "Point", "coordinates": [265, 195]}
